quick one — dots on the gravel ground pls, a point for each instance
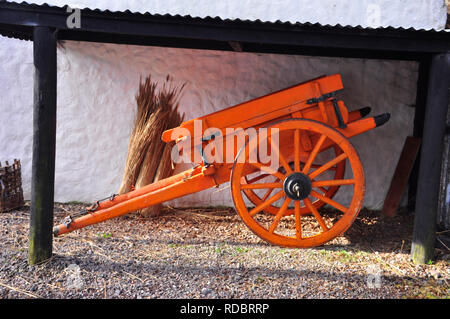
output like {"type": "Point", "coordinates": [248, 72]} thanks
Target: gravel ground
{"type": "Point", "coordinates": [209, 253]}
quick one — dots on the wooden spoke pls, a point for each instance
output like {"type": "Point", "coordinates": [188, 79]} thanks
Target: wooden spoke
{"type": "Point", "coordinates": [324, 190]}
{"type": "Point", "coordinates": [262, 186]}
{"type": "Point", "coordinates": [333, 182]}
{"type": "Point", "coordinates": [316, 214]}
{"type": "Point", "coordinates": [329, 201]}
{"type": "Point", "coordinates": [338, 172]}
{"type": "Point", "coordinates": [313, 154]}
{"type": "Point", "coordinates": [319, 165]}
{"type": "Point", "coordinates": [298, 220]}
{"type": "Point", "coordinates": [266, 195]}
{"type": "Point", "coordinates": [268, 202]}
{"type": "Point", "coordinates": [269, 191]}
{"type": "Point", "coordinates": [269, 170]}
{"type": "Point", "coordinates": [279, 215]}
{"type": "Point", "coordinates": [281, 158]}
{"type": "Point", "coordinates": [297, 150]}
{"type": "Point", "coordinates": [327, 165]}
{"type": "Point", "coordinates": [257, 178]}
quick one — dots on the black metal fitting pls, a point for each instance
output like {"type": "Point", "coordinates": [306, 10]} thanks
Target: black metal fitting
{"type": "Point", "coordinates": [381, 119]}
{"type": "Point", "coordinates": [297, 186]}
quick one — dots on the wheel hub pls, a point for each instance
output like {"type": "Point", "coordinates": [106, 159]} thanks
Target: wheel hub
{"type": "Point", "coordinates": [297, 186]}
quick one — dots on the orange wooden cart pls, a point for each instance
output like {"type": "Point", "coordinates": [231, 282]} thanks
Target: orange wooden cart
{"type": "Point", "coordinates": [315, 159]}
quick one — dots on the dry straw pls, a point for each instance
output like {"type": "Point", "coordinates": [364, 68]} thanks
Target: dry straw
{"type": "Point", "coordinates": [148, 157]}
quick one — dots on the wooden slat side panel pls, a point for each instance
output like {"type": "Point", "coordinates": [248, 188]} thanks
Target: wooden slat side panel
{"type": "Point", "coordinates": [265, 108]}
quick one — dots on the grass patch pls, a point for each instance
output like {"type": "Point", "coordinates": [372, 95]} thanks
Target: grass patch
{"type": "Point", "coordinates": [259, 280]}
{"type": "Point", "coordinates": [241, 249]}
{"type": "Point", "coordinates": [104, 235]}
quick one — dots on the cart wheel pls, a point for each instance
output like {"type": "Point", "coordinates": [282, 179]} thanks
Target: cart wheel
{"type": "Point", "coordinates": [330, 191]}
{"type": "Point", "coordinates": [299, 185]}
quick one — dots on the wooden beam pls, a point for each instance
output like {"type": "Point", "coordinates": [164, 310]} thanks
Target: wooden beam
{"type": "Point", "coordinates": [236, 46]}
{"type": "Point", "coordinates": [424, 235]}
{"type": "Point", "coordinates": [401, 175]}
{"type": "Point", "coordinates": [134, 28]}
{"type": "Point", "coordinates": [44, 140]}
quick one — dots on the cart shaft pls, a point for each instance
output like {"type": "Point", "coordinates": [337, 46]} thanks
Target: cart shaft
{"type": "Point", "coordinates": [188, 182]}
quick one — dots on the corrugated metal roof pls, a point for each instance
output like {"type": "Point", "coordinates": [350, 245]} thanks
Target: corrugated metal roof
{"type": "Point", "coordinates": [217, 19]}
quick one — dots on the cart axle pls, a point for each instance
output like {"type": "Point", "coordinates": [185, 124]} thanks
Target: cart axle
{"type": "Point", "coordinates": [297, 186]}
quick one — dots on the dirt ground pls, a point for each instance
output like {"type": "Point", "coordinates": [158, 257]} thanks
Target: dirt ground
{"type": "Point", "coordinates": [210, 253]}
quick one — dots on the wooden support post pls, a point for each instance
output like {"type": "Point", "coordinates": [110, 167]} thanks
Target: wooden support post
{"type": "Point", "coordinates": [419, 115]}
{"type": "Point", "coordinates": [44, 140]}
{"type": "Point", "coordinates": [424, 235]}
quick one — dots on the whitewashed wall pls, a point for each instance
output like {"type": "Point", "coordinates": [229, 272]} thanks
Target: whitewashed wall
{"type": "Point", "coordinates": [97, 84]}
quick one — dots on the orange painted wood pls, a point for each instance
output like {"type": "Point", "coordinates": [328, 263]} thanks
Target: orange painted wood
{"type": "Point", "coordinates": [401, 175]}
{"type": "Point", "coordinates": [255, 112]}
{"type": "Point", "coordinates": [188, 182]}
{"type": "Point", "coordinates": [353, 128]}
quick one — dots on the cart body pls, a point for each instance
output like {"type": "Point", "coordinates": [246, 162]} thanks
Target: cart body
{"type": "Point", "coordinates": [308, 120]}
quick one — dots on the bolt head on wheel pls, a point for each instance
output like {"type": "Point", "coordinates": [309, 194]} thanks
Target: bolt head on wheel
{"type": "Point", "coordinates": [297, 186]}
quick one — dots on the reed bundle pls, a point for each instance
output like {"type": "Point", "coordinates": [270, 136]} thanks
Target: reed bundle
{"type": "Point", "coordinates": [148, 158]}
